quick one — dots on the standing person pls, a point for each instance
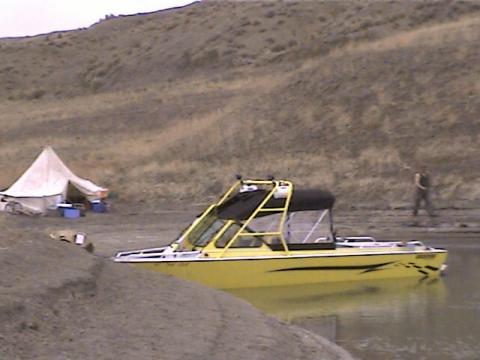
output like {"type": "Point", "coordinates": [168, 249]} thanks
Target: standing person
{"type": "Point", "coordinates": [422, 191]}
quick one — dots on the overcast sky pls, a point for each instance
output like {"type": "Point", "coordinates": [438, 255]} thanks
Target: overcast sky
{"type": "Point", "coordinates": [33, 17]}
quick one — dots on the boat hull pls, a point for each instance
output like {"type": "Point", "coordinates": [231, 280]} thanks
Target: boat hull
{"type": "Point", "coordinates": [231, 273]}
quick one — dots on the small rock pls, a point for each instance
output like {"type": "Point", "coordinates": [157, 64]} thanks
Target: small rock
{"type": "Point", "coordinates": [33, 326]}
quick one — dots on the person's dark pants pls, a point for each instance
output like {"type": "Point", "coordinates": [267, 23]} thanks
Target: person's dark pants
{"type": "Point", "coordinates": [422, 195]}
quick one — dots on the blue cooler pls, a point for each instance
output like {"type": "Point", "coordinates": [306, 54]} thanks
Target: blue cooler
{"type": "Point", "coordinates": [98, 206]}
{"type": "Point", "coordinates": [61, 208]}
{"type": "Point", "coordinates": [71, 213]}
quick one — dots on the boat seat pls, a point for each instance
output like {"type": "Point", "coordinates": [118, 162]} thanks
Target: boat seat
{"type": "Point", "coordinates": [304, 246]}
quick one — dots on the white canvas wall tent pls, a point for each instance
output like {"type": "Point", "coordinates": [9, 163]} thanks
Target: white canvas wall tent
{"type": "Point", "coordinates": [48, 182]}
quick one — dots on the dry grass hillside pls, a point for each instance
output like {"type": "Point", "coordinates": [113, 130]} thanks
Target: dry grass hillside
{"type": "Point", "coordinates": [170, 105]}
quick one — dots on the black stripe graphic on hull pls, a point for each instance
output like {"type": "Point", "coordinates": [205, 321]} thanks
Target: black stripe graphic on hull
{"type": "Point", "coordinates": [367, 268]}
{"type": "Point", "coordinates": [431, 268]}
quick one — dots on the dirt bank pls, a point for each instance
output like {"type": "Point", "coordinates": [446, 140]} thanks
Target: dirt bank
{"type": "Point", "coordinates": [60, 302]}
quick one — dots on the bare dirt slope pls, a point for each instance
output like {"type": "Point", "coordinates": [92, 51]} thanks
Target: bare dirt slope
{"type": "Point", "coordinates": [351, 95]}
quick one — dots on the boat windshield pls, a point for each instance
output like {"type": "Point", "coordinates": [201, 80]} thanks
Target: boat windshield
{"type": "Point", "coordinates": [276, 227]}
{"type": "Point", "coordinates": [241, 241]}
{"type": "Point", "coordinates": [211, 226]}
{"type": "Point", "coordinates": [205, 231]}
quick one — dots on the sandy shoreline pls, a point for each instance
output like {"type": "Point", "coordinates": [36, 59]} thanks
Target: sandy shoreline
{"type": "Point", "coordinates": [60, 302]}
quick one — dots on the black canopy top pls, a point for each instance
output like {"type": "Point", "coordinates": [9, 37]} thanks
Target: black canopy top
{"type": "Point", "coordinates": [241, 205]}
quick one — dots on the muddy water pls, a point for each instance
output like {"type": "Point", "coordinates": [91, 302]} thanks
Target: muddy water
{"type": "Point", "coordinates": [392, 320]}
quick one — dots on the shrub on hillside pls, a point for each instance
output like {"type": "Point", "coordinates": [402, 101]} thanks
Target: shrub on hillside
{"type": "Point", "coordinates": [270, 14]}
{"type": "Point", "coordinates": [208, 57]}
{"type": "Point", "coordinates": [278, 48]}
{"type": "Point", "coordinates": [35, 94]}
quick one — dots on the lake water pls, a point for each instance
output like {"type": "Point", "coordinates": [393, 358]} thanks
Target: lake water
{"type": "Point", "coordinates": [406, 319]}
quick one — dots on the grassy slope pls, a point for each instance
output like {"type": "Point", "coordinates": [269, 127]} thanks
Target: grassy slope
{"type": "Point", "coordinates": [172, 104]}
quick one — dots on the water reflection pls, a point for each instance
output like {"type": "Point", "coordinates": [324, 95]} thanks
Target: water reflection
{"type": "Point", "coordinates": [370, 299]}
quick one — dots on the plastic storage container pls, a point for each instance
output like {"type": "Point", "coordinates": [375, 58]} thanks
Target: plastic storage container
{"type": "Point", "coordinates": [61, 208]}
{"type": "Point", "coordinates": [71, 213]}
{"type": "Point", "coordinates": [98, 206]}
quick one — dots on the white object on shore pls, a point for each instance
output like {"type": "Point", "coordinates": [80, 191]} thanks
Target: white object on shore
{"type": "Point", "coordinates": [80, 238]}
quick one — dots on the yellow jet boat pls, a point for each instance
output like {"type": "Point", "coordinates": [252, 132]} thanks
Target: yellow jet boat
{"type": "Point", "coordinates": [247, 239]}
